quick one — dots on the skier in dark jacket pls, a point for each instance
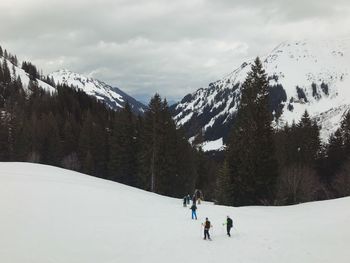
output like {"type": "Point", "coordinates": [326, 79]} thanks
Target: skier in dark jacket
{"type": "Point", "coordinates": [194, 199]}
{"type": "Point", "coordinates": [228, 225]}
{"type": "Point", "coordinates": [207, 226]}
{"type": "Point", "coordinates": [194, 208]}
{"type": "Point", "coordinates": [188, 199]}
{"type": "Point", "coordinates": [185, 201]}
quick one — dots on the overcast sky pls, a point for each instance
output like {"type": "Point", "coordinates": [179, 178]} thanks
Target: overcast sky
{"type": "Point", "coordinates": [168, 46]}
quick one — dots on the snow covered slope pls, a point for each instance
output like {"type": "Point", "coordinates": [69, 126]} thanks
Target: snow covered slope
{"type": "Point", "coordinates": [55, 215]}
{"type": "Point", "coordinates": [15, 70]}
{"type": "Point", "coordinates": [112, 96]}
{"type": "Point", "coordinates": [304, 75]}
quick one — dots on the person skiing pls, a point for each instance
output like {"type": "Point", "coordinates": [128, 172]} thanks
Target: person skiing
{"type": "Point", "coordinates": [198, 200]}
{"type": "Point", "coordinates": [194, 199]}
{"type": "Point", "coordinates": [199, 196]}
{"type": "Point", "coordinates": [207, 226]}
{"type": "Point", "coordinates": [194, 208]}
{"type": "Point", "coordinates": [188, 199]}
{"type": "Point", "coordinates": [228, 225]}
{"type": "Point", "coordinates": [185, 201]}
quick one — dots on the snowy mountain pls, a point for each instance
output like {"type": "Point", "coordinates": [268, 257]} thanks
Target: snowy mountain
{"type": "Point", "coordinates": [50, 214]}
{"type": "Point", "coordinates": [112, 96]}
{"type": "Point", "coordinates": [303, 75]}
{"type": "Point", "coordinates": [24, 76]}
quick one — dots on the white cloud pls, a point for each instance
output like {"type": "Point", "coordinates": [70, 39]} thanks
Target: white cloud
{"type": "Point", "coordinates": [170, 47]}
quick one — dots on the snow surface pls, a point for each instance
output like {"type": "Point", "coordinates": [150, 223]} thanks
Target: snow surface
{"type": "Point", "coordinates": [217, 145]}
{"type": "Point", "coordinates": [50, 214]}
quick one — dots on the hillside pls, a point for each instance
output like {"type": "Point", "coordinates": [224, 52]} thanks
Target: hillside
{"type": "Point", "coordinates": [112, 96]}
{"type": "Point", "coordinates": [55, 215]}
{"type": "Point", "coordinates": [24, 76]}
{"type": "Point", "coordinates": [303, 75]}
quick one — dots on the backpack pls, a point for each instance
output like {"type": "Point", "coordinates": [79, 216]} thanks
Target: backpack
{"type": "Point", "coordinates": [229, 222]}
{"type": "Point", "coordinates": [207, 225]}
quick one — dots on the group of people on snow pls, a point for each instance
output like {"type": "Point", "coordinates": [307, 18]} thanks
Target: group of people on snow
{"type": "Point", "coordinates": [196, 198]}
{"type": "Point", "coordinates": [207, 225]}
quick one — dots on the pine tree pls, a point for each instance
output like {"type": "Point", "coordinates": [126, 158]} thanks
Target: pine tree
{"type": "Point", "coordinates": [4, 144]}
{"type": "Point", "coordinates": [250, 155]}
{"type": "Point", "coordinates": [335, 156]}
{"type": "Point", "coordinates": [6, 72]}
{"type": "Point", "coordinates": [168, 176]}
{"type": "Point", "coordinates": [2, 77]}
{"type": "Point", "coordinates": [223, 186]}
{"type": "Point", "coordinates": [151, 144]}
{"type": "Point", "coordinates": [85, 145]}
{"type": "Point", "coordinates": [308, 135]}
{"type": "Point", "coordinates": [163, 153]}
{"type": "Point", "coordinates": [52, 148]}
{"type": "Point", "coordinates": [34, 138]}
{"type": "Point", "coordinates": [123, 148]}
{"type": "Point", "coordinates": [70, 135]}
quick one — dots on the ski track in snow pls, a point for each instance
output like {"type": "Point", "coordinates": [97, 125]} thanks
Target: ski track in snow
{"type": "Point", "coordinates": [50, 214]}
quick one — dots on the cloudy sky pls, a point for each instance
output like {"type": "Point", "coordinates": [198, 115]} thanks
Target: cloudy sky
{"type": "Point", "coordinates": [165, 46]}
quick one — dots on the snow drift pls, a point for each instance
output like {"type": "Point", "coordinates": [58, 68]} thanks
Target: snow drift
{"type": "Point", "coordinates": [55, 215]}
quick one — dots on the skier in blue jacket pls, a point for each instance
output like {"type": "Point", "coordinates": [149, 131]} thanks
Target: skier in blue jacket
{"type": "Point", "coordinates": [194, 208]}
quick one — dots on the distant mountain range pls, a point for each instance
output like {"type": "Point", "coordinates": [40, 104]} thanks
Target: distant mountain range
{"type": "Point", "coordinates": [303, 75]}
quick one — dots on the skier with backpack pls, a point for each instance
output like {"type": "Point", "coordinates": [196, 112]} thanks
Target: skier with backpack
{"type": "Point", "coordinates": [207, 226]}
{"type": "Point", "coordinates": [194, 208]}
{"type": "Point", "coordinates": [229, 225]}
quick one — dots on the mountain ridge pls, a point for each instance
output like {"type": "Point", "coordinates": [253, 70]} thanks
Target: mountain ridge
{"type": "Point", "coordinates": [113, 97]}
{"type": "Point", "coordinates": [303, 75]}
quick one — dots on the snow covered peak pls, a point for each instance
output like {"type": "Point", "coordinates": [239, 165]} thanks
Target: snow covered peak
{"type": "Point", "coordinates": [304, 75]}
{"type": "Point", "coordinates": [87, 84]}
{"type": "Point", "coordinates": [303, 62]}
{"type": "Point", "coordinates": [112, 96]}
